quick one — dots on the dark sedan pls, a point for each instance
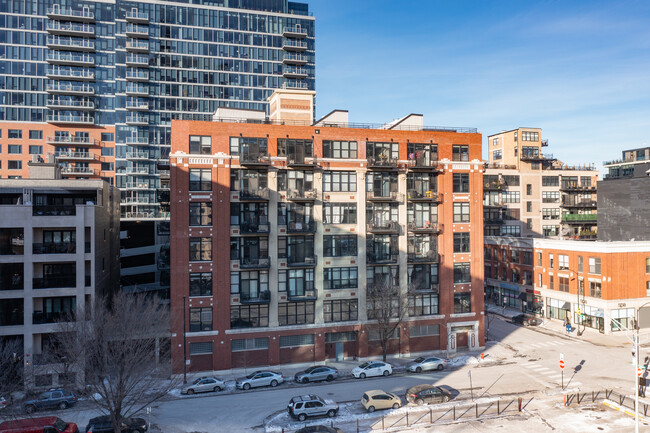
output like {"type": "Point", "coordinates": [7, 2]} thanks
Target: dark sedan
{"type": "Point", "coordinates": [103, 424]}
{"type": "Point", "coordinates": [421, 394]}
{"type": "Point", "coordinates": [526, 320]}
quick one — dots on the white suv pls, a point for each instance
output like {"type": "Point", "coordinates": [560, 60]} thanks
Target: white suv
{"type": "Point", "coordinates": [303, 406]}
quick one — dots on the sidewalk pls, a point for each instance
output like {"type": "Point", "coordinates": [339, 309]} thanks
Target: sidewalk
{"type": "Point", "coordinates": [556, 327]}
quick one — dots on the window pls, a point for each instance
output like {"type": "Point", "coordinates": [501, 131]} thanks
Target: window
{"type": "Point", "coordinates": [528, 258]}
{"type": "Point", "coordinates": [495, 141]}
{"type": "Point", "coordinates": [461, 182]}
{"type": "Point", "coordinates": [550, 230]}
{"type": "Point", "coordinates": [35, 150]}
{"type": "Point", "coordinates": [200, 319]}
{"type": "Point", "coordinates": [461, 242]}
{"type": "Point", "coordinates": [539, 259]}
{"type": "Point", "coordinates": [108, 151]}
{"type": "Point", "coordinates": [563, 262]}
{"type": "Point", "coordinates": [510, 230]}
{"type": "Point", "coordinates": [15, 134]}
{"type": "Point", "coordinates": [647, 265]}
{"type": "Point", "coordinates": [487, 253]}
{"type": "Point", "coordinates": [200, 284]}
{"type": "Point", "coordinates": [461, 212]}
{"type": "Point", "coordinates": [529, 136]}
{"type": "Point", "coordinates": [296, 340]}
{"type": "Point", "coordinates": [510, 196]}
{"type": "Point", "coordinates": [550, 196]}
{"type": "Point", "coordinates": [488, 271]}
{"type": "Point", "coordinates": [249, 316]}
{"type": "Point", "coordinates": [343, 181]}
{"type": "Point", "coordinates": [424, 330]}
{"type": "Point", "coordinates": [201, 214]}
{"type": "Point", "coordinates": [200, 179]}
{"type": "Point", "coordinates": [339, 245]}
{"type": "Point", "coordinates": [107, 136]}
{"type": "Point", "coordinates": [462, 303]}
{"type": "Point", "coordinates": [423, 276]}
{"type": "Point", "coordinates": [529, 223]}
{"type": "Point", "coordinates": [340, 278]}
{"type": "Point", "coordinates": [510, 180]}
{"type": "Point", "coordinates": [295, 313]}
{"type": "Point", "coordinates": [594, 289]}
{"type": "Point", "coordinates": [462, 273]}
{"type": "Point", "coordinates": [460, 153]}
{"type": "Point", "coordinates": [550, 261]}
{"type": "Point", "coordinates": [203, 348]}
{"type": "Point", "coordinates": [424, 304]}
{"type": "Point", "coordinates": [580, 264]}
{"type": "Point", "coordinates": [200, 249]}
{"type": "Point", "coordinates": [594, 265]}
{"type": "Point", "coordinates": [563, 284]}
{"type": "Point", "coordinates": [200, 145]}
{"type": "Point", "coordinates": [647, 288]}
{"type": "Point", "coordinates": [340, 149]}
{"type": "Point", "coordinates": [551, 213]}
{"type": "Point", "coordinates": [339, 213]}
{"type": "Point", "coordinates": [550, 282]}
{"type": "Point", "coordinates": [585, 181]}
{"type": "Point", "coordinates": [550, 181]}
{"type": "Point", "coordinates": [299, 282]}
{"type": "Point", "coordinates": [35, 135]}
{"type": "Point", "coordinates": [241, 345]}
{"type": "Point", "coordinates": [295, 149]}
{"type": "Point", "coordinates": [249, 148]}
{"type": "Point", "coordinates": [341, 310]}
{"type": "Point", "coordinates": [529, 189]}
{"type": "Point", "coordinates": [15, 165]}
{"type": "Point", "coordinates": [15, 149]}
{"type": "Point", "coordinates": [497, 154]}
{"type": "Point", "coordinates": [529, 206]}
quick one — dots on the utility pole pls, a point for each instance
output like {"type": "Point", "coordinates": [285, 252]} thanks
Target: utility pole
{"type": "Point", "coordinates": [184, 346]}
{"type": "Point", "coordinates": [636, 375]}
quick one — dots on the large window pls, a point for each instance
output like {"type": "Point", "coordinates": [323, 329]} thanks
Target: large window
{"type": "Point", "coordinates": [200, 179]}
{"type": "Point", "coordinates": [339, 245]}
{"type": "Point", "coordinates": [424, 304]}
{"type": "Point", "coordinates": [594, 265]}
{"type": "Point", "coordinates": [252, 284]}
{"type": "Point", "coordinates": [510, 197]}
{"type": "Point", "coordinates": [296, 340]}
{"type": "Point", "coordinates": [462, 273]}
{"type": "Point", "coordinates": [461, 212]}
{"type": "Point", "coordinates": [295, 313]}
{"type": "Point", "coordinates": [340, 310]}
{"type": "Point", "coordinates": [15, 149]}
{"type": "Point", "coordinates": [340, 149]}
{"type": "Point", "coordinates": [343, 181]}
{"type": "Point", "coordinates": [382, 152]}
{"type": "Point", "coordinates": [339, 213]}
{"type": "Point", "coordinates": [340, 278]}
{"type": "Point", "coordinates": [462, 303]}
{"type": "Point", "coordinates": [241, 345]}
{"type": "Point", "coordinates": [249, 148]}
{"type": "Point", "coordinates": [424, 330]}
{"type": "Point", "coordinates": [423, 276]}
{"type": "Point", "coordinates": [382, 275]}
{"type": "Point", "coordinates": [249, 316]}
{"type": "Point", "coordinates": [563, 262]}
{"type": "Point", "coordinates": [551, 213]}
{"type": "Point", "coordinates": [421, 215]}
{"type": "Point", "coordinates": [461, 182]}
{"type": "Point", "coordinates": [200, 249]}
{"type": "Point", "coordinates": [201, 214]}
{"type": "Point", "coordinates": [550, 181]}
{"type": "Point", "coordinates": [200, 145]}
{"type": "Point", "coordinates": [563, 284]}
{"type": "Point", "coordinates": [550, 196]}
{"type": "Point", "coordinates": [460, 153]}
{"type": "Point", "coordinates": [201, 348]}
{"type": "Point", "coordinates": [295, 149]}
{"type": "Point", "coordinates": [200, 284]}
{"type": "Point", "coordinates": [529, 136]}
{"type": "Point", "coordinates": [200, 319]}
{"type": "Point", "coordinates": [594, 289]}
{"type": "Point", "coordinates": [298, 282]}
{"type": "Point", "coordinates": [15, 134]}
{"type": "Point", "coordinates": [421, 185]}
{"type": "Point", "coordinates": [461, 242]}
{"type": "Point", "coordinates": [550, 230]}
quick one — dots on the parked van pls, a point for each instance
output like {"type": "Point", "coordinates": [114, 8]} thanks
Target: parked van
{"type": "Point", "coordinates": [46, 424]}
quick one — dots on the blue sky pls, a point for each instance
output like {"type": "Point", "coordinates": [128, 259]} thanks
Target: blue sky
{"type": "Point", "coordinates": [580, 70]}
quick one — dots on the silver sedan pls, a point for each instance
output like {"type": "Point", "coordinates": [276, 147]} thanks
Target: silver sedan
{"type": "Point", "coordinates": [260, 378]}
{"type": "Point", "coordinates": [204, 384]}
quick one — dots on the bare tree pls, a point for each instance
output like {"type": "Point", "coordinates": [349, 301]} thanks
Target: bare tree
{"type": "Point", "coordinates": [11, 367]}
{"type": "Point", "coordinates": [387, 308]}
{"type": "Point", "coordinates": [125, 369]}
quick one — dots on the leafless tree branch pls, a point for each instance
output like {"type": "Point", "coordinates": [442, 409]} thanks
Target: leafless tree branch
{"type": "Point", "coordinates": [387, 308]}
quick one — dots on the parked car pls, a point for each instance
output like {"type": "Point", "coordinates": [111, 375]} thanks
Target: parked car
{"type": "Point", "coordinates": [378, 399]}
{"type": "Point", "coordinates": [420, 394]}
{"type": "Point", "coordinates": [372, 368]}
{"type": "Point", "coordinates": [53, 398]}
{"type": "Point", "coordinates": [204, 384]}
{"type": "Point", "coordinates": [103, 424]}
{"type": "Point", "coordinates": [3, 402]}
{"type": "Point", "coordinates": [260, 378]}
{"type": "Point", "coordinates": [425, 364]}
{"type": "Point", "coordinates": [303, 406]}
{"type": "Point", "coordinates": [46, 424]}
{"type": "Point", "coordinates": [319, 429]}
{"type": "Point", "coordinates": [526, 320]}
{"type": "Point", "coordinates": [317, 373]}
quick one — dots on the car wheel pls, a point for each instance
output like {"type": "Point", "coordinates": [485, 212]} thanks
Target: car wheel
{"type": "Point", "coordinates": [274, 383]}
{"type": "Point", "coordinates": [247, 386]}
{"type": "Point", "coordinates": [30, 409]}
{"type": "Point", "coordinates": [305, 380]}
{"type": "Point", "coordinates": [418, 370]}
{"type": "Point", "coordinates": [331, 413]}
{"type": "Point", "coordinates": [371, 408]}
{"type": "Point", "coordinates": [63, 405]}
{"type": "Point", "coordinates": [190, 391]}
{"type": "Point", "coordinates": [445, 399]}
{"type": "Point", "coordinates": [330, 378]}
{"type": "Point", "coordinates": [396, 406]}
{"type": "Point", "coordinates": [386, 372]}
{"type": "Point", "coordinates": [440, 367]}
{"type": "Point", "coordinates": [419, 402]}
{"type": "Point", "coordinates": [217, 388]}
{"type": "Point", "coordinates": [362, 376]}
{"type": "Point", "coordinates": [302, 417]}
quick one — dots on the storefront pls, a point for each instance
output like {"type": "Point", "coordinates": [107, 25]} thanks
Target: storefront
{"type": "Point", "coordinates": [557, 309]}
{"type": "Point", "coordinates": [622, 319]}
{"type": "Point", "coordinates": [591, 317]}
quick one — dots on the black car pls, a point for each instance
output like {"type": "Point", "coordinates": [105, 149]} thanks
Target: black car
{"type": "Point", "coordinates": [420, 394]}
{"type": "Point", "coordinates": [526, 320]}
{"type": "Point", "coordinates": [103, 424]}
{"type": "Point", "coordinates": [319, 429]}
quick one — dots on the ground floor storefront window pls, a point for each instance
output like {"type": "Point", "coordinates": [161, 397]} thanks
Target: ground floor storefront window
{"type": "Point", "coordinates": [622, 319]}
{"type": "Point", "coordinates": [557, 309]}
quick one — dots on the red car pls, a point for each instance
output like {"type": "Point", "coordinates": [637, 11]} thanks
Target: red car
{"type": "Point", "coordinates": [46, 424]}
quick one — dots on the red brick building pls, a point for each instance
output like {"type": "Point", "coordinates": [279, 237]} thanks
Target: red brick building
{"type": "Point", "coordinates": [277, 230]}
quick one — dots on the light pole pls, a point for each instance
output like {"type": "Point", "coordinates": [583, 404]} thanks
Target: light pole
{"type": "Point", "coordinates": [184, 346]}
{"type": "Point", "coordinates": [636, 367]}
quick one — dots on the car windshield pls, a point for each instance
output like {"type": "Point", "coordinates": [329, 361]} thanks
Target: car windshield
{"type": "Point", "coordinates": [60, 425]}
{"type": "Point", "coordinates": [420, 359]}
{"type": "Point", "coordinates": [364, 365]}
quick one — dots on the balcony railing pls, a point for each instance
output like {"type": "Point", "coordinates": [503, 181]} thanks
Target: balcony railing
{"type": "Point", "coordinates": [305, 295]}
{"type": "Point", "coordinates": [54, 282]}
{"type": "Point", "coordinates": [424, 227]}
{"type": "Point", "coordinates": [531, 156]}
{"type": "Point", "coordinates": [302, 261]}
{"type": "Point", "coordinates": [576, 187]}
{"type": "Point", "coordinates": [40, 317]}
{"type": "Point", "coordinates": [260, 194]}
{"type": "Point", "coordinates": [292, 45]}
{"type": "Point", "coordinates": [71, 119]}
{"type": "Point", "coordinates": [294, 59]}
{"type": "Point", "coordinates": [428, 257]}
{"type": "Point", "coordinates": [137, 75]}
{"type": "Point", "coordinates": [59, 28]}
{"type": "Point", "coordinates": [379, 258]}
{"type": "Point", "coordinates": [385, 227]}
{"type": "Point", "coordinates": [301, 227]}
{"type": "Point", "coordinates": [263, 297]}
{"type": "Point", "coordinates": [424, 196]}
{"type": "Point", "coordinates": [292, 72]}
{"type": "Point", "coordinates": [295, 161]}
{"type": "Point", "coordinates": [137, 31]}
{"type": "Point", "coordinates": [71, 89]}
{"type": "Point", "coordinates": [259, 159]}
{"type": "Point", "coordinates": [580, 218]}
{"type": "Point", "coordinates": [137, 90]}
{"type": "Point", "coordinates": [70, 74]}
{"type": "Point", "coordinates": [252, 227]}
{"type": "Point", "coordinates": [70, 14]}
{"type": "Point", "coordinates": [70, 44]}
{"type": "Point", "coordinates": [54, 248]}
{"type": "Point", "coordinates": [70, 105]}
{"type": "Point", "coordinates": [380, 162]}
{"type": "Point", "coordinates": [137, 105]}
{"type": "Point", "coordinates": [589, 203]}
{"type": "Point", "coordinates": [302, 195]}
{"type": "Point", "coordinates": [422, 162]}
{"type": "Point", "coordinates": [384, 196]}
{"type": "Point", "coordinates": [72, 140]}
{"type": "Point", "coordinates": [137, 155]}
{"type": "Point", "coordinates": [52, 210]}
{"type": "Point", "coordinates": [137, 46]}
{"type": "Point", "coordinates": [294, 32]}
{"type": "Point", "coordinates": [137, 17]}
{"type": "Point", "coordinates": [256, 263]}
{"type": "Point", "coordinates": [493, 221]}
{"type": "Point", "coordinates": [137, 61]}
{"type": "Point", "coordinates": [70, 59]}
{"type": "Point", "coordinates": [74, 155]}
{"type": "Point", "coordinates": [137, 141]}
{"type": "Point", "coordinates": [78, 170]}
{"type": "Point", "coordinates": [134, 119]}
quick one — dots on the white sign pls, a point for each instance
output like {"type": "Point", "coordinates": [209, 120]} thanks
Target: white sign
{"type": "Point", "coordinates": [561, 356]}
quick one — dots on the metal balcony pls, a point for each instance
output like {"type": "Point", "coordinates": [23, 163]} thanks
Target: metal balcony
{"type": "Point", "coordinates": [135, 200]}
{"type": "Point", "coordinates": [581, 204]}
{"type": "Point", "coordinates": [136, 120]}
{"type": "Point", "coordinates": [254, 228]}
{"type": "Point", "coordinates": [254, 160]}
{"type": "Point", "coordinates": [531, 156]}
{"type": "Point", "coordinates": [294, 73]}
{"type": "Point", "coordinates": [70, 59]}
{"type": "Point", "coordinates": [142, 171]}
{"type": "Point", "coordinates": [134, 156]}
{"type": "Point", "coordinates": [254, 195]}
{"type": "Point", "coordinates": [301, 162]}
{"type": "Point", "coordinates": [137, 61]}
{"type": "Point", "coordinates": [137, 105]}
{"type": "Point", "coordinates": [137, 17]}
{"type": "Point", "coordinates": [381, 258]}
{"type": "Point", "coordinates": [137, 75]}
{"type": "Point", "coordinates": [294, 32]}
{"type": "Point", "coordinates": [423, 196]}
{"type": "Point", "coordinates": [493, 186]}
{"type": "Point", "coordinates": [54, 248]}
{"type": "Point", "coordinates": [134, 31]}
{"type": "Point", "coordinates": [70, 29]}
{"type": "Point", "coordinates": [423, 163]}
{"type": "Point", "coordinates": [70, 105]}
{"type": "Point", "coordinates": [302, 261]}
{"type": "Point", "coordinates": [54, 282]}
{"type": "Point", "coordinates": [72, 140]}
{"type": "Point", "coordinates": [424, 228]}
{"type": "Point", "coordinates": [430, 256]}
{"type": "Point", "coordinates": [137, 141]}
{"type": "Point", "coordinates": [70, 119]}
{"type": "Point", "coordinates": [294, 59]}
{"type": "Point", "coordinates": [72, 156]}
{"type": "Point", "coordinates": [293, 45]}
{"type": "Point", "coordinates": [42, 318]}
{"type": "Point", "coordinates": [136, 186]}
{"type": "Point", "coordinates": [256, 263]}
{"type": "Point", "coordinates": [379, 162]}
{"type": "Point", "coordinates": [579, 218]}
{"type": "Point", "coordinates": [77, 171]}
{"type": "Point", "coordinates": [137, 46]}
{"type": "Point", "coordinates": [293, 84]}
{"type": "Point", "coordinates": [385, 227]}
{"type": "Point", "coordinates": [574, 187]}
{"type": "Point", "coordinates": [263, 297]}
{"type": "Point", "coordinates": [301, 227]}
{"type": "Point", "coordinates": [493, 221]}
{"type": "Point", "coordinates": [305, 295]}
{"type": "Point", "coordinates": [63, 73]}
{"type": "Point", "coordinates": [302, 196]}
{"type": "Point", "coordinates": [71, 89]}
{"type": "Point", "coordinates": [64, 14]}
{"type": "Point", "coordinates": [137, 90]}
{"type": "Point", "coordinates": [383, 196]}
{"type": "Point", "coordinates": [67, 43]}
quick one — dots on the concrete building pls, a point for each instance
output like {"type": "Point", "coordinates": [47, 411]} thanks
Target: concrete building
{"type": "Point", "coordinates": [624, 198]}
{"type": "Point", "coordinates": [531, 194]}
{"type": "Point", "coordinates": [59, 250]}
{"type": "Point", "coordinates": [279, 228]}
